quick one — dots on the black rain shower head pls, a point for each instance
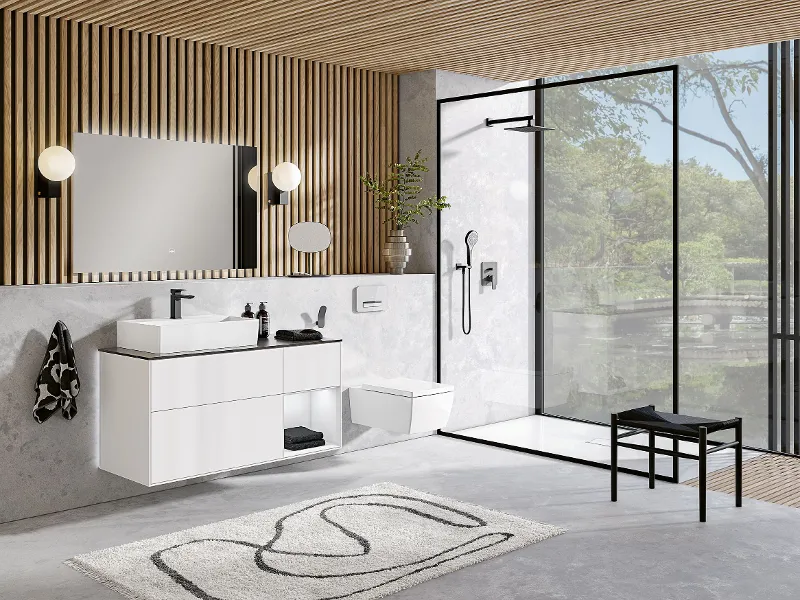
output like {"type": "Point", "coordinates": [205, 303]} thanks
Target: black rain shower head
{"type": "Point", "coordinates": [529, 127]}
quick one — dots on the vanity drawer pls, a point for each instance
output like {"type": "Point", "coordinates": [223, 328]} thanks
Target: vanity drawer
{"type": "Point", "coordinates": [312, 367]}
{"type": "Point", "coordinates": [211, 378]}
{"type": "Point", "coordinates": [196, 441]}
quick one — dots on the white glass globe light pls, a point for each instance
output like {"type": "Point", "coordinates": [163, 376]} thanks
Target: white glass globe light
{"type": "Point", "coordinates": [56, 163]}
{"type": "Point", "coordinates": [286, 176]}
{"type": "Point", "coordinates": [254, 178]}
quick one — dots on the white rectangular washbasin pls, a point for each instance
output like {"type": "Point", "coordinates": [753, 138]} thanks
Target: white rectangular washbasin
{"type": "Point", "coordinates": [189, 334]}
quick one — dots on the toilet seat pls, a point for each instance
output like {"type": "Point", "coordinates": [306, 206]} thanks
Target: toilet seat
{"type": "Point", "coordinates": [409, 388]}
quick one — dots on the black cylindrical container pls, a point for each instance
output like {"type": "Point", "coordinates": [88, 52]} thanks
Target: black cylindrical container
{"type": "Point", "coordinates": [263, 321]}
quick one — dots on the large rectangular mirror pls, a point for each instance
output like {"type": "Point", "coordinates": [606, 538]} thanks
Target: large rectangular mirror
{"type": "Point", "coordinates": [158, 205]}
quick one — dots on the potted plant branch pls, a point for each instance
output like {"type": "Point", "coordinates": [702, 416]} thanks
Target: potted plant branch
{"type": "Point", "coordinates": [398, 197]}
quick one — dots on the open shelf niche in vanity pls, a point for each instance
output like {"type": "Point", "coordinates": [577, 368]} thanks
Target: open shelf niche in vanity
{"type": "Point", "coordinates": [170, 417]}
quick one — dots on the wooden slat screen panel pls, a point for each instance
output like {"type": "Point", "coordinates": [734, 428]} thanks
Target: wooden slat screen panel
{"type": "Point", "coordinates": [62, 76]}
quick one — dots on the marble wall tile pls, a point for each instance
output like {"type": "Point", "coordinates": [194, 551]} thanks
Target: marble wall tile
{"type": "Point", "coordinates": [53, 466]}
{"type": "Point", "coordinates": [487, 174]}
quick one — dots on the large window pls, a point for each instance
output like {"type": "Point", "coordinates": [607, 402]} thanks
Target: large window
{"type": "Point", "coordinates": [721, 234]}
{"type": "Point", "coordinates": [608, 245]}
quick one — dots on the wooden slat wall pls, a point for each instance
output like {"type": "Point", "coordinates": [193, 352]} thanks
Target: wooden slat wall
{"type": "Point", "coordinates": [62, 76]}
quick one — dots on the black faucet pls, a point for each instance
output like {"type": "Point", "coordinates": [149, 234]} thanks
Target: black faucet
{"type": "Point", "coordinates": [175, 297]}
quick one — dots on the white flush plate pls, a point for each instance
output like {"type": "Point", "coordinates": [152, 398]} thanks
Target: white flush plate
{"type": "Point", "coordinates": [371, 298]}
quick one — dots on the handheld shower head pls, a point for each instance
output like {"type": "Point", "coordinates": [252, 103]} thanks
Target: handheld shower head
{"type": "Point", "coordinates": [470, 240]}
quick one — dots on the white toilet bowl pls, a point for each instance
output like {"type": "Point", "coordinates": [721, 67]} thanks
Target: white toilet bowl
{"type": "Point", "coordinates": [401, 405]}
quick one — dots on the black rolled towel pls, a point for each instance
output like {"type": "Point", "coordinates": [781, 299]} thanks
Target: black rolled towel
{"type": "Point", "coordinates": [304, 445]}
{"type": "Point", "coordinates": [297, 335]}
{"type": "Point", "coordinates": [298, 435]}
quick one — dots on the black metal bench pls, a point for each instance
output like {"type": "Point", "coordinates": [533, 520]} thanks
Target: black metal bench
{"type": "Point", "coordinates": [676, 427]}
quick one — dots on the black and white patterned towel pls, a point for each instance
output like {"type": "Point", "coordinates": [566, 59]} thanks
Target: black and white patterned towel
{"type": "Point", "coordinates": [58, 384]}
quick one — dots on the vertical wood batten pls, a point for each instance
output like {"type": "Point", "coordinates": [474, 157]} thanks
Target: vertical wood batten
{"type": "Point", "coordinates": [276, 156]}
{"type": "Point", "coordinates": [52, 140]}
{"type": "Point", "coordinates": [295, 198]}
{"type": "Point", "coordinates": [336, 174]}
{"type": "Point", "coordinates": [29, 158]}
{"type": "Point", "coordinates": [62, 101]}
{"type": "Point", "coordinates": [342, 158]}
{"type": "Point", "coordinates": [18, 142]}
{"type": "Point", "coordinates": [301, 145]}
{"type": "Point", "coordinates": [180, 93]}
{"type": "Point", "coordinates": [384, 114]}
{"type": "Point", "coordinates": [74, 111]}
{"type": "Point", "coordinates": [355, 216]}
{"type": "Point", "coordinates": [39, 98]}
{"type": "Point", "coordinates": [216, 90]}
{"type": "Point", "coordinates": [352, 182]}
{"type": "Point", "coordinates": [207, 93]}
{"type": "Point", "coordinates": [269, 125]}
{"type": "Point", "coordinates": [8, 241]}
{"type": "Point", "coordinates": [199, 88]}
{"type": "Point", "coordinates": [135, 92]}
{"type": "Point", "coordinates": [373, 156]}
{"type": "Point", "coordinates": [155, 100]}
{"type": "Point", "coordinates": [172, 76]}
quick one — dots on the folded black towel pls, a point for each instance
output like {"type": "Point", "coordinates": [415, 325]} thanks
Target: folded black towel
{"type": "Point", "coordinates": [297, 335]}
{"type": "Point", "coordinates": [304, 445]}
{"type": "Point", "coordinates": [298, 435]}
{"type": "Point", "coordinates": [58, 384]}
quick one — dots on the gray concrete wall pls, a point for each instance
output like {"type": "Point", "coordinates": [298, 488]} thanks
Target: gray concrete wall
{"type": "Point", "coordinates": [418, 132]}
{"type": "Point", "coordinates": [53, 466]}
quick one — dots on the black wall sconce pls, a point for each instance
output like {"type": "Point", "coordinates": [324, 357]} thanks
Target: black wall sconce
{"type": "Point", "coordinates": [55, 164]}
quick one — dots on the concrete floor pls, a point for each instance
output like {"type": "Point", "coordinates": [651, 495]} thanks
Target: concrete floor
{"type": "Point", "coordinates": [648, 545]}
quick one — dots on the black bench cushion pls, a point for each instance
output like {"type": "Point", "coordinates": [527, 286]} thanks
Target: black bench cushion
{"type": "Point", "coordinates": [647, 417]}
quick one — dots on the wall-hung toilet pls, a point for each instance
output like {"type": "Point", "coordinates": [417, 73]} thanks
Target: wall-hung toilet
{"type": "Point", "coordinates": [401, 405]}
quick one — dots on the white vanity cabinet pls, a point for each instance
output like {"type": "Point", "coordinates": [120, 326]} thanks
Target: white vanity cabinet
{"type": "Point", "coordinates": [170, 418]}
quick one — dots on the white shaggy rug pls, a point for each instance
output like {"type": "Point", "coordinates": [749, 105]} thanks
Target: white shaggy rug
{"type": "Point", "coordinates": [361, 544]}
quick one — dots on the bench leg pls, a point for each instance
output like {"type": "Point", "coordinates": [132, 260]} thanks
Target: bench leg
{"type": "Point", "coordinates": [614, 457]}
{"type": "Point", "coordinates": [703, 441]}
{"type": "Point", "coordinates": [652, 461]}
{"type": "Point", "coordinates": [739, 463]}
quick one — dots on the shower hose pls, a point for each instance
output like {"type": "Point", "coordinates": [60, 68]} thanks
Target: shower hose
{"type": "Point", "coordinates": [466, 300]}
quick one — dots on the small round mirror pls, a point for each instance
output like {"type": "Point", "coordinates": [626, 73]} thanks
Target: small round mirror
{"type": "Point", "coordinates": [309, 236]}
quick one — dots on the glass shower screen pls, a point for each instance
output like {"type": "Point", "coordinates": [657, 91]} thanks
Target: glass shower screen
{"type": "Point", "coordinates": [580, 220]}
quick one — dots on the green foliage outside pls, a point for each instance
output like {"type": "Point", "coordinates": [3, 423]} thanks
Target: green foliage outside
{"type": "Point", "coordinates": [609, 210]}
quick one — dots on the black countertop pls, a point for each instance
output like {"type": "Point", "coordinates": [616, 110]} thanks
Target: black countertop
{"type": "Point", "coordinates": [268, 344]}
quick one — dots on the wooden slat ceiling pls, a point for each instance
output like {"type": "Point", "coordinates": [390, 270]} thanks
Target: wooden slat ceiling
{"type": "Point", "coordinates": [503, 39]}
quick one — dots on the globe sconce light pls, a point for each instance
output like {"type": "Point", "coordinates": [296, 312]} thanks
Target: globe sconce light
{"type": "Point", "coordinates": [55, 165]}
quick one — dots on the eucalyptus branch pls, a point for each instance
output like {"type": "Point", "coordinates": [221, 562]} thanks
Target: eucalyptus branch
{"type": "Point", "coordinates": [398, 195]}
